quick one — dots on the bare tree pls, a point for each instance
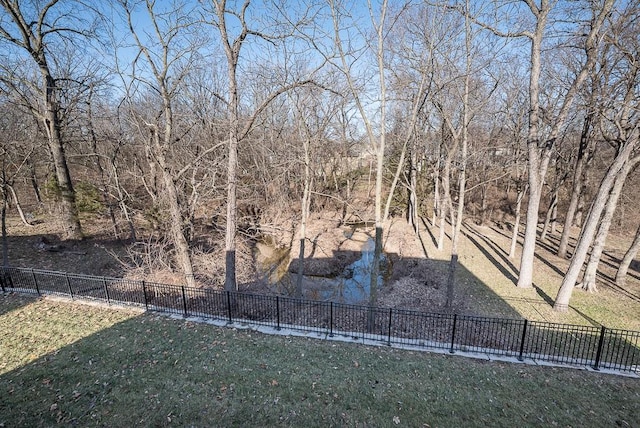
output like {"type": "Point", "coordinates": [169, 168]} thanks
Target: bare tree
{"type": "Point", "coordinates": [619, 125]}
{"type": "Point", "coordinates": [623, 269]}
{"type": "Point", "coordinates": [412, 51]}
{"type": "Point", "coordinates": [539, 150]}
{"type": "Point", "coordinates": [40, 31]}
{"type": "Point", "coordinates": [15, 150]}
{"type": "Point", "coordinates": [462, 173]}
{"type": "Point", "coordinates": [590, 225]}
{"type": "Point", "coordinates": [559, 177]}
{"type": "Point", "coordinates": [313, 116]}
{"type": "Point", "coordinates": [377, 140]}
{"type": "Point", "coordinates": [583, 159]}
{"type": "Point", "coordinates": [589, 276]}
{"type": "Point", "coordinates": [539, 145]}
{"type": "Point", "coordinates": [232, 24]}
{"type": "Point", "coordinates": [166, 55]}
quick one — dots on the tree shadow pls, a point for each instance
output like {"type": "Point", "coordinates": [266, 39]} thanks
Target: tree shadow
{"type": "Point", "coordinates": [544, 295]}
{"type": "Point", "coordinates": [10, 301]}
{"type": "Point", "coordinates": [50, 252]}
{"type": "Point", "coordinates": [434, 241]}
{"type": "Point", "coordinates": [408, 283]}
{"type": "Point", "coordinates": [610, 282]}
{"type": "Point", "coordinates": [500, 265]}
{"type": "Point", "coordinates": [539, 244]}
{"type": "Point", "coordinates": [123, 375]}
{"type": "Point", "coordinates": [613, 262]}
{"type": "Point", "coordinates": [549, 264]}
{"type": "Point", "coordinates": [422, 244]}
{"type": "Point", "coordinates": [148, 370]}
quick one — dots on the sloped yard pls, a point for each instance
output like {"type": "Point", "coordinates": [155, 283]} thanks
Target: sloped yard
{"type": "Point", "coordinates": [79, 365]}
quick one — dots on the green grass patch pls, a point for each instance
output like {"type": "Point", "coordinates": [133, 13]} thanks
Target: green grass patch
{"type": "Point", "coordinates": [76, 365]}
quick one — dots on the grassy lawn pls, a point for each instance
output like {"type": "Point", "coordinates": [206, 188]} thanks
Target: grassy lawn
{"type": "Point", "coordinates": [78, 365]}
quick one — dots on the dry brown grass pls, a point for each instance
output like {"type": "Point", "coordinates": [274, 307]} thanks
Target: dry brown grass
{"type": "Point", "coordinates": [484, 255]}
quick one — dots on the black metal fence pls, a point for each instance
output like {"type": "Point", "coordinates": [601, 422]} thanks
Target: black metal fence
{"type": "Point", "coordinates": [600, 348]}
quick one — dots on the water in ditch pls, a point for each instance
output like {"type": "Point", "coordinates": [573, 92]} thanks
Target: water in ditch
{"type": "Point", "coordinates": [350, 284]}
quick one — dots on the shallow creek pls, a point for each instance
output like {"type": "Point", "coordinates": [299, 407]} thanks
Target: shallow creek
{"type": "Point", "coordinates": [349, 284]}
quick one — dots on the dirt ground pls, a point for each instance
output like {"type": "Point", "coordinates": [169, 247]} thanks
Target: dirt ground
{"type": "Point", "coordinates": [416, 279]}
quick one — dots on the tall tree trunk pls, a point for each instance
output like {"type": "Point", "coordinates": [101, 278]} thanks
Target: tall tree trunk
{"type": "Point", "coordinates": [621, 275]}
{"type": "Point", "coordinates": [539, 156]}
{"type": "Point", "coordinates": [554, 217]}
{"type": "Point", "coordinates": [69, 213]}
{"type": "Point", "coordinates": [462, 174]}
{"type": "Point", "coordinates": [589, 277]}
{"type": "Point", "coordinates": [304, 214]}
{"type": "Point", "coordinates": [445, 202]}
{"type": "Point", "coordinates": [18, 206]}
{"type": "Point", "coordinates": [535, 177]}
{"type": "Point", "coordinates": [183, 253]}
{"type": "Point", "coordinates": [34, 181]}
{"type": "Point", "coordinates": [522, 190]}
{"type": "Point", "coordinates": [230, 283]}
{"type": "Point", "coordinates": [377, 253]}
{"type": "Point", "coordinates": [412, 208]}
{"type": "Point", "coordinates": [3, 218]}
{"type": "Point", "coordinates": [553, 204]}
{"type": "Point", "coordinates": [589, 228]}
{"type": "Point", "coordinates": [525, 278]}
{"type": "Point", "coordinates": [436, 190]}
{"type": "Point", "coordinates": [376, 141]}
{"type": "Point", "coordinates": [232, 52]}
{"type": "Point", "coordinates": [584, 154]}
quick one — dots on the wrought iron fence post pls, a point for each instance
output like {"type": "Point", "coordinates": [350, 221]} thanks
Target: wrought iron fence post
{"type": "Point", "coordinates": [144, 293]}
{"type": "Point", "coordinates": [596, 366]}
{"type": "Point", "coordinates": [7, 280]}
{"type": "Point", "coordinates": [278, 312]}
{"type": "Point", "coordinates": [524, 335]}
{"type": "Point", "coordinates": [389, 329]}
{"type": "Point", "coordinates": [229, 306]}
{"type": "Point", "coordinates": [184, 302]}
{"type": "Point", "coordinates": [35, 282]}
{"type": "Point", "coordinates": [106, 290]}
{"type": "Point", "coordinates": [453, 333]}
{"type": "Point", "coordinates": [330, 319]}
{"type": "Point", "coordinates": [66, 277]}
{"type": "Point", "coordinates": [4, 273]}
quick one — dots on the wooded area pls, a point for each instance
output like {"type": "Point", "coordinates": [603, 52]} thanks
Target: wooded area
{"type": "Point", "coordinates": [200, 127]}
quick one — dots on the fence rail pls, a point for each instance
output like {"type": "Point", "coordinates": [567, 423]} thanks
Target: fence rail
{"type": "Point", "coordinates": [598, 347]}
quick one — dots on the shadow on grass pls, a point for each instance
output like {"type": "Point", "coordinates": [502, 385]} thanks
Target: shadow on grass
{"type": "Point", "coordinates": [550, 302]}
{"type": "Point", "coordinates": [149, 370]}
{"type": "Point", "coordinates": [434, 241]}
{"type": "Point", "coordinates": [544, 295]}
{"type": "Point", "coordinates": [504, 265]}
{"type": "Point", "coordinates": [50, 252]}
{"type": "Point", "coordinates": [610, 282]}
{"type": "Point", "coordinates": [135, 373]}
{"type": "Point", "coordinates": [12, 301]}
